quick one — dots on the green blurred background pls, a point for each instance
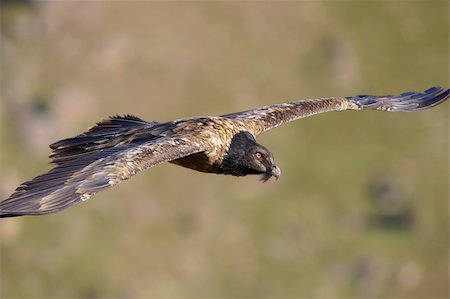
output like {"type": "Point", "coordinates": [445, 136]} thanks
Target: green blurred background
{"type": "Point", "coordinates": [361, 209]}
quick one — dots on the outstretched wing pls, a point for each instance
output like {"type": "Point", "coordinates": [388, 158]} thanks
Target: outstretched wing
{"type": "Point", "coordinates": [268, 117]}
{"type": "Point", "coordinates": [76, 180]}
{"type": "Point", "coordinates": [105, 134]}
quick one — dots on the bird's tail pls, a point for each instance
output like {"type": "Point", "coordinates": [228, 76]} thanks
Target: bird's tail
{"type": "Point", "coordinates": [406, 102]}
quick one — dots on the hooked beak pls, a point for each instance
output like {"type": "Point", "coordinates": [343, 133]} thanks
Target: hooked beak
{"type": "Point", "coordinates": [275, 172]}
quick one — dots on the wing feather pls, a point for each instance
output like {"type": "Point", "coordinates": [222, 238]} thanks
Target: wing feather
{"type": "Point", "coordinates": [105, 134]}
{"type": "Point", "coordinates": [268, 117]}
{"type": "Point", "coordinates": [77, 180]}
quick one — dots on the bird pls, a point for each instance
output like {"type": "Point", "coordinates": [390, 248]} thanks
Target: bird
{"type": "Point", "coordinates": [119, 147]}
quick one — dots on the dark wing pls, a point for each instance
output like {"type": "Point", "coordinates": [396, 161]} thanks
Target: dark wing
{"type": "Point", "coordinates": [78, 179]}
{"type": "Point", "coordinates": [268, 117]}
{"type": "Point", "coordinates": [105, 134]}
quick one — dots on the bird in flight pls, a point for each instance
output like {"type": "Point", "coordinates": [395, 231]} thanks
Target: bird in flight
{"type": "Point", "coordinates": [119, 147]}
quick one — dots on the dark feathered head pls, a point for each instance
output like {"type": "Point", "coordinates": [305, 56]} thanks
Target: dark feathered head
{"type": "Point", "coordinates": [245, 156]}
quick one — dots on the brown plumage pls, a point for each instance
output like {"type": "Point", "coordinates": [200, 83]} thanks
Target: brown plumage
{"type": "Point", "coordinates": [119, 147]}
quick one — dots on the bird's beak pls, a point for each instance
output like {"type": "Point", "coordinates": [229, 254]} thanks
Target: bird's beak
{"type": "Point", "coordinates": [274, 172]}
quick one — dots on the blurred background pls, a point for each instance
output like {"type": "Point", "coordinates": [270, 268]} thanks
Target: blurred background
{"type": "Point", "coordinates": [361, 209]}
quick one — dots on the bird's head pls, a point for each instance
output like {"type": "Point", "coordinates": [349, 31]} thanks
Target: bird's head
{"type": "Point", "coordinates": [245, 156]}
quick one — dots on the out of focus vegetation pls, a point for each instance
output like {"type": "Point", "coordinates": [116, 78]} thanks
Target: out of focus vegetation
{"type": "Point", "coordinates": [360, 211]}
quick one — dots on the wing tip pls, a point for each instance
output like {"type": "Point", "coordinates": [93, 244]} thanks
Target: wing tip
{"type": "Point", "coordinates": [405, 102]}
{"type": "Point", "coordinates": [10, 214]}
{"type": "Point", "coordinates": [25, 206]}
{"type": "Point", "coordinates": [439, 94]}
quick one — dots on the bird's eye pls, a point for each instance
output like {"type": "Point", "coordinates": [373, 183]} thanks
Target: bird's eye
{"type": "Point", "coordinates": [258, 155]}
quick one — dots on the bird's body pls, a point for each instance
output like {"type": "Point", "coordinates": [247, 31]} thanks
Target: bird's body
{"type": "Point", "coordinates": [119, 147]}
{"type": "Point", "coordinates": [215, 135]}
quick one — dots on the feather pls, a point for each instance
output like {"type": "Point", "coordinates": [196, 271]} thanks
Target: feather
{"type": "Point", "coordinates": [265, 118]}
{"type": "Point", "coordinates": [105, 134]}
{"type": "Point", "coordinates": [77, 180]}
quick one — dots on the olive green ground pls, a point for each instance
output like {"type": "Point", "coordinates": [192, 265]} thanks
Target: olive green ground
{"type": "Point", "coordinates": [361, 208]}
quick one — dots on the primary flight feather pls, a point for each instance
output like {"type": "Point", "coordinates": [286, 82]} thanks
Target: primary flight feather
{"type": "Point", "coordinates": [121, 146]}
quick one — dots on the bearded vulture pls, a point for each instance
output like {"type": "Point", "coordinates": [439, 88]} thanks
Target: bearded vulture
{"type": "Point", "coordinates": [119, 147]}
